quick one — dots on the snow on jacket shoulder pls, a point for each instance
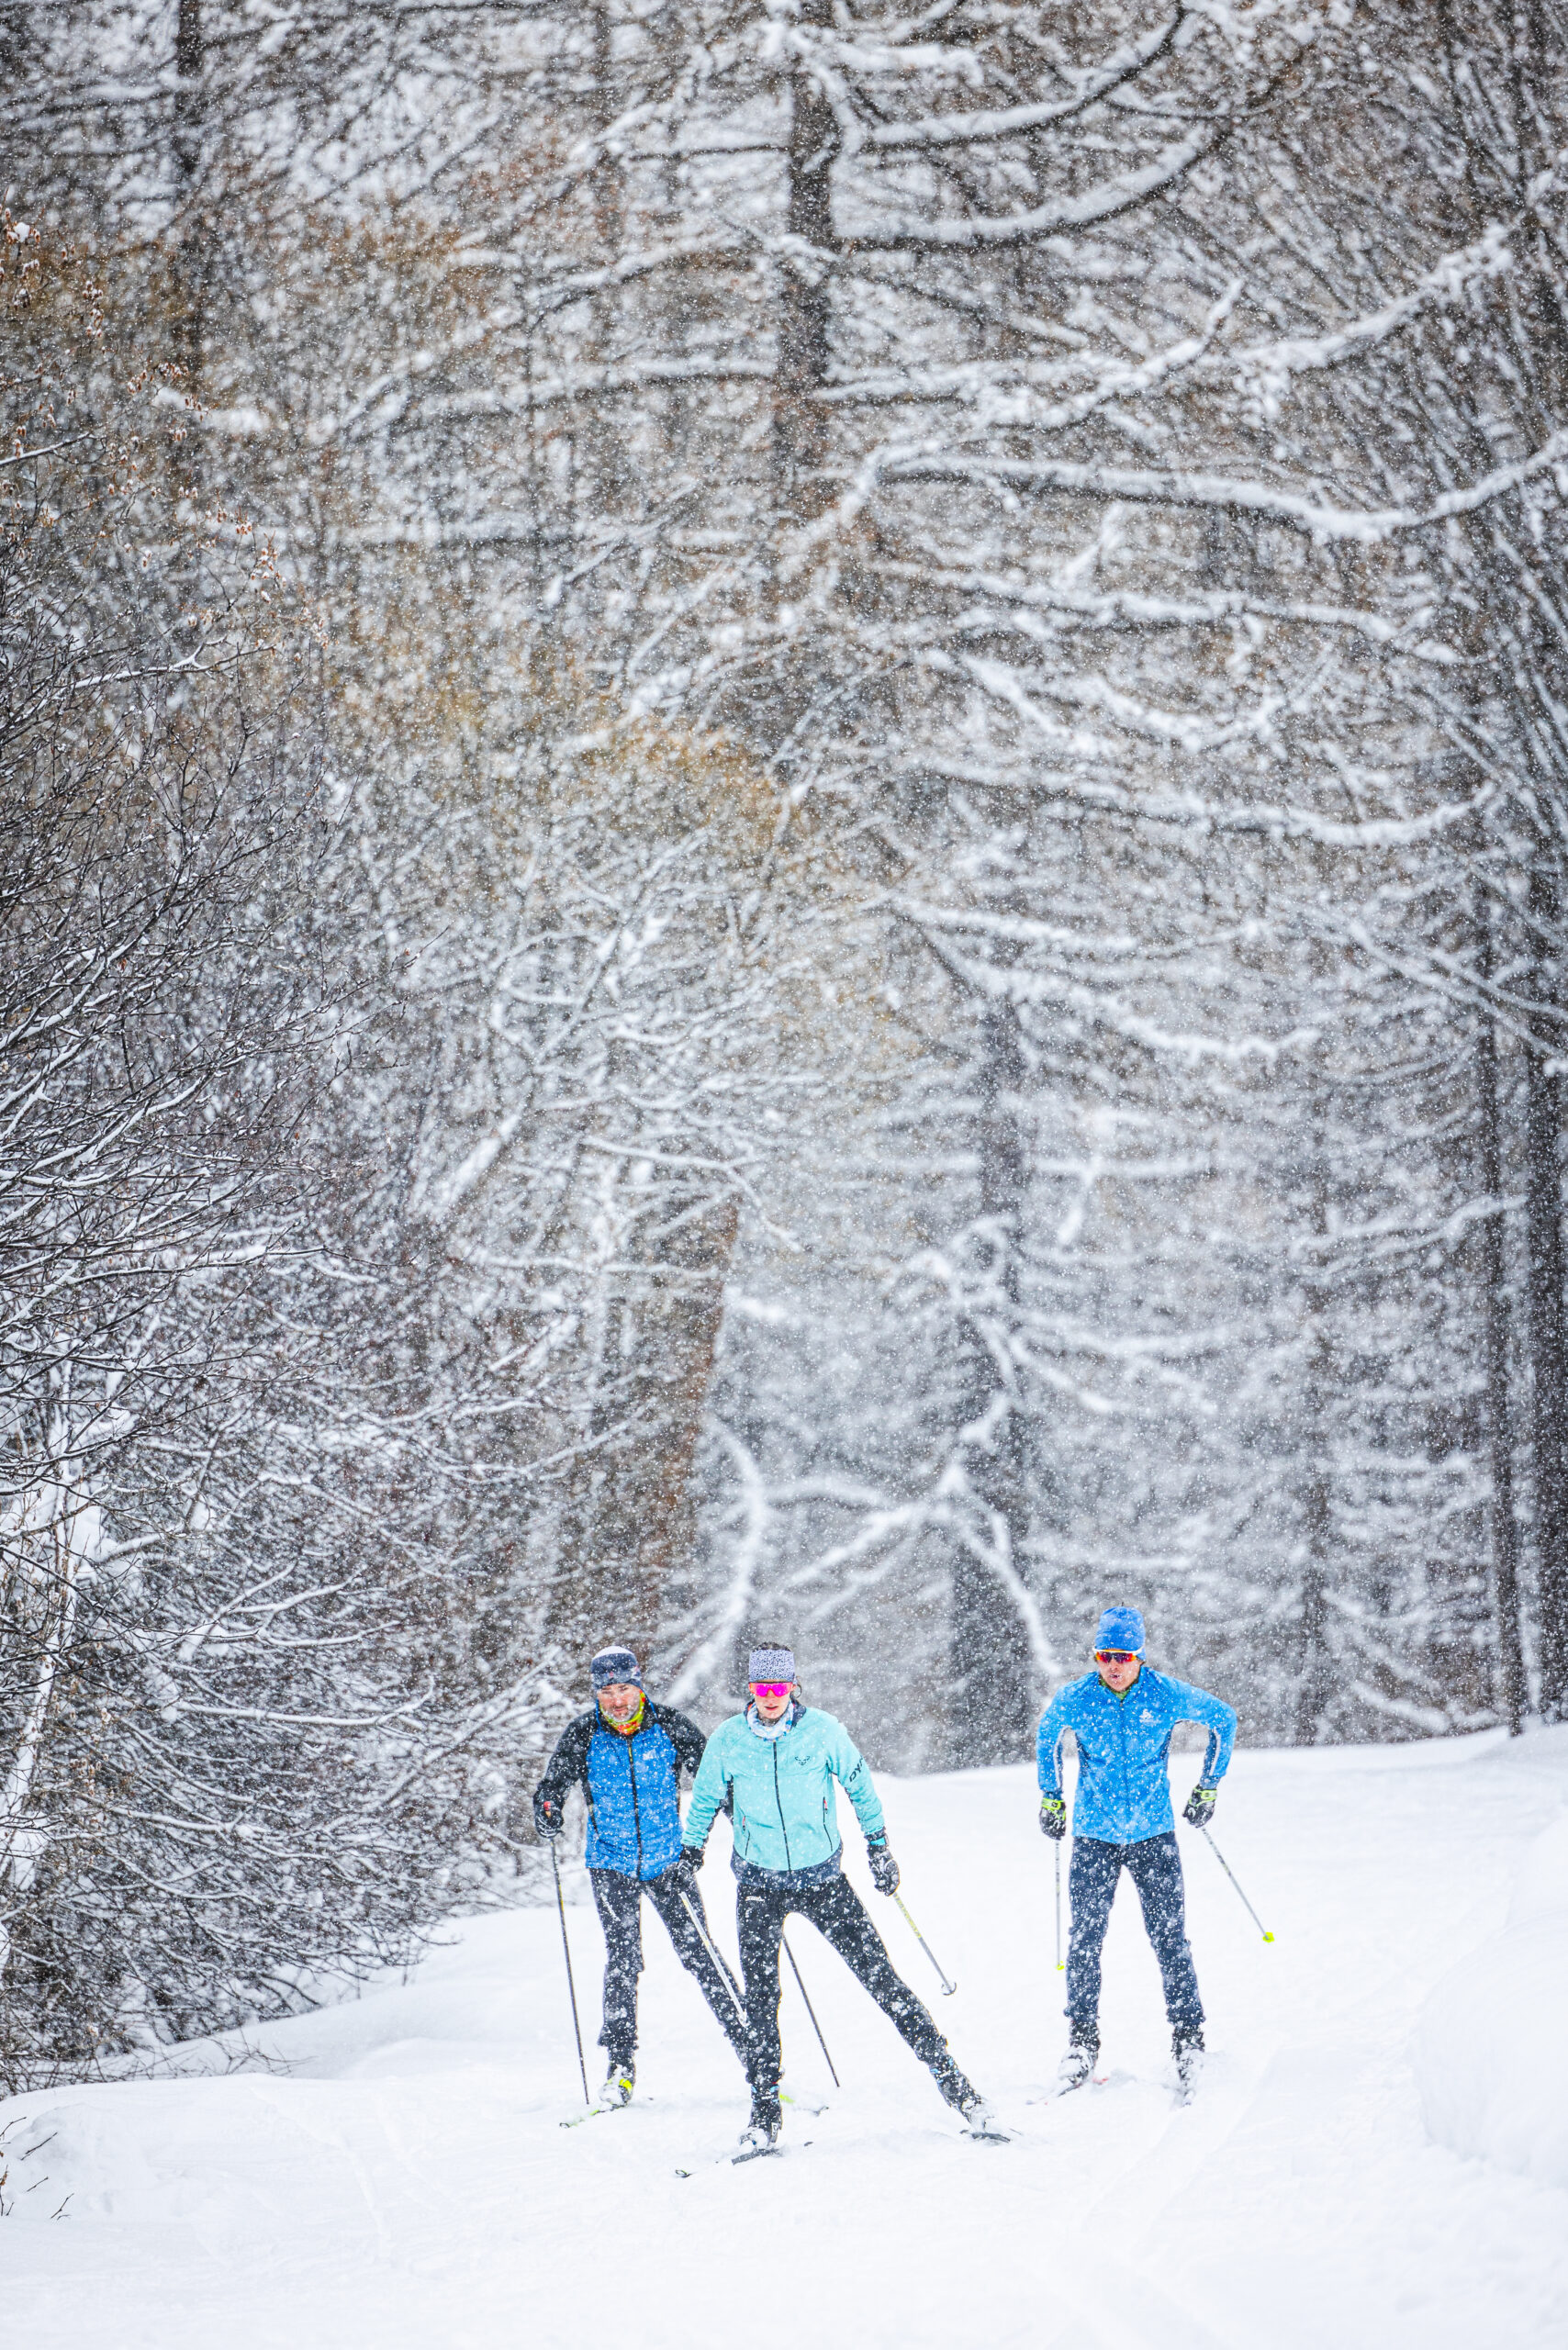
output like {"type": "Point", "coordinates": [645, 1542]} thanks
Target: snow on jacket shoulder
{"type": "Point", "coordinates": [1124, 1750]}
{"type": "Point", "coordinates": [630, 1784]}
{"type": "Point", "coordinates": [779, 1791]}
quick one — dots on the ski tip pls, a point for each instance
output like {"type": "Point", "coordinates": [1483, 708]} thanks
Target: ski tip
{"type": "Point", "coordinates": [990, 2137]}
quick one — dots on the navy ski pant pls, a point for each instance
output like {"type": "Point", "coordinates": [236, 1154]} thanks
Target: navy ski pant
{"type": "Point", "coordinates": [620, 1903]}
{"type": "Point", "coordinates": [839, 1915]}
{"type": "Point", "coordinates": [1155, 1867]}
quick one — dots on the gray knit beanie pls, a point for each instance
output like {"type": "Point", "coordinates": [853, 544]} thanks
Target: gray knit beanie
{"type": "Point", "coordinates": [771, 1664]}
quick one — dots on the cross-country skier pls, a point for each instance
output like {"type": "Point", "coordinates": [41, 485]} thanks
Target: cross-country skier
{"type": "Point", "coordinates": [773, 1768]}
{"type": "Point", "coordinates": [1122, 1714]}
{"type": "Point", "coordinates": [627, 1753]}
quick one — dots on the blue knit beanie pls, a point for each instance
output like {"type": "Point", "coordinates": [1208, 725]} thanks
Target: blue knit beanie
{"type": "Point", "coordinates": [1121, 1627]}
{"type": "Point", "coordinates": [770, 1664]}
{"type": "Point", "coordinates": [614, 1664]}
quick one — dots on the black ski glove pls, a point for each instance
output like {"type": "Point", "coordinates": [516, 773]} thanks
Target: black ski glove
{"type": "Point", "coordinates": [1053, 1818]}
{"type": "Point", "coordinates": [884, 1868]}
{"type": "Point", "coordinates": [549, 1815]}
{"type": "Point", "coordinates": [1199, 1808]}
{"type": "Point", "coordinates": [682, 1874]}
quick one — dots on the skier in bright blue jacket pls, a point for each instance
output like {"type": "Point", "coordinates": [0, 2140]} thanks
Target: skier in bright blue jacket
{"type": "Point", "coordinates": [626, 1753]}
{"type": "Point", "coordinates": [775, 1769]}
{"type": "Point", "coordinates": [1122, 1716]}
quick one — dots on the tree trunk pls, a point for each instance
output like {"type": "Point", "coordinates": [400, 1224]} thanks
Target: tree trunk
{"type": "Point", "coordinates": [192, 232]}
{"type": "Point", "coordinates": [1315, 1683]}
{"type": "Point", "coordinates": [993, 1701]}
{"type": "Point", "coordinates": [633, 1522]}
{"type": "Point", "coordinates": [1549, 1368]}
{"type": "Point", "coordinates": [1513, 1692]}
{"type": "Point", "coordinates": [805, 301]}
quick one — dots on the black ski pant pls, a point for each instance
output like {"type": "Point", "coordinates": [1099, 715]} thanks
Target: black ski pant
{"type": "Point", "coordinates": [620, 1902]}
{"type": "Point", "coordinates": [837, 1912]}
{"type": "Point", "coordinates": [1155, 1867]}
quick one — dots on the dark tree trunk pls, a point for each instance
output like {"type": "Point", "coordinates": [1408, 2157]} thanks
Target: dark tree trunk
{"type": "Point", "coordinates": [1548, 1368]}
{"type": "Point", "coordinates": [193, 228]}
{"type": "Point", "coordinates": [805, 303]}
{"type": "Point", "coordinates": [1315, 1665]}
{"type": "Point", "coordinates": [993, 1700]}
{"type": "Point", "coordinates": [604, 451]}
{"type": "Point", "coordinates": [1513, 1694]}
{"type": "Point", "coordinates": [632, 1524]}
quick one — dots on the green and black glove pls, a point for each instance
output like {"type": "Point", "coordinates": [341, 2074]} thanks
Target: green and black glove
{"type": "Point", "coordinates": [1053, 1818]}
{"type": "Point", "coordinates": [1200, 1807]}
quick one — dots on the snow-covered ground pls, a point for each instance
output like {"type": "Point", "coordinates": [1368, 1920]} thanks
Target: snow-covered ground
{"type": "Point", "coordinates": [395, 2177]}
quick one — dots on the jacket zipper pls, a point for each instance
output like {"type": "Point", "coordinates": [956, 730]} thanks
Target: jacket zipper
{"type": "Point", "coordinates": [779, 1799]}
{"type": "Point", "coordinates": [637, 1809]}
{"type": "Point", "coordinates": [1125, 1804]}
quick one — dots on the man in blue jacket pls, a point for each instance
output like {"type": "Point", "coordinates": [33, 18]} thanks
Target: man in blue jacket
{"type": "Point", "coordinates": [773, 1768]}
{"type": "Point", "coordinates": [626, 1753]}
{"type": "Point", "coordinates": [1122, 1716]}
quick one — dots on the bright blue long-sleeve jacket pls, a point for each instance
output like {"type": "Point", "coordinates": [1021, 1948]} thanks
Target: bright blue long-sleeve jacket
{"type": "Point", "coordinates": [631, 1785]}
{"type": "Point", "coordinates": [1123, 1747]}
{"type": "Point", "coordinates": [779, 1792]}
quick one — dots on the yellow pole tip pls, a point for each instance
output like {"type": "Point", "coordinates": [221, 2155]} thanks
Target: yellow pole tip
{"type": "Point", "coordinates": [1268, 1937]}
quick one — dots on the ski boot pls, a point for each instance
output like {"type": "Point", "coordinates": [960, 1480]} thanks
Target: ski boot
{"type": "Point", "coordinates": [761, 2132]}
{"type": "Point", "coordinates": [964, 2098]}
{"type": "Point", "coordinates": [1187, 2047]}
{"type": "Point", "coordinates": [619, 2084]}
{"type": "Point", "coordinates": [1078, 2064]}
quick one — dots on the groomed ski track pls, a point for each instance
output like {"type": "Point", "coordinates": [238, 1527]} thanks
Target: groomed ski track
{"type": "Point", "coordinates": [396, 2177]}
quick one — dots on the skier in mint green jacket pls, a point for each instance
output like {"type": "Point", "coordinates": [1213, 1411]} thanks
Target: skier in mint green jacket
{"type": "Point", "coordinates": [773, 1768]}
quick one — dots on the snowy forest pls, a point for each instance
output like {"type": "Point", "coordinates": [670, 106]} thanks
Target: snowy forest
{"type": "Point", "coordinates": [783, 854]}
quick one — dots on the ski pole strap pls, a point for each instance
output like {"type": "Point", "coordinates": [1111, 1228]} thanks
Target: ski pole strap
{"type": "Point", "coordinates": [1230, 1872]}
{"type": "Point", "coordinates": [926, 1946]}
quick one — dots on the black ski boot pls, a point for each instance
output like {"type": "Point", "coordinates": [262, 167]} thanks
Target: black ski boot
{"type": "Point", "coordinates": [962, 2095]}
{"type": "Point", "coordinates": [1079, 2062]}
{"type": "Point", "coordinates": [619, 2083]}
{"type": "Point", "coordinates": [1187, 2047]}
{"type": "Point", "coordinates": [761, 2132]}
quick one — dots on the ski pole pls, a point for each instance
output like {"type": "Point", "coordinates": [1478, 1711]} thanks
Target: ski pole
{"type": "Point", "coordinates": [926, 1946]}
{"type": "Point", "coordinates": [1059, 1960]}
{"type": "Point", "coordinates": [1230, 1872]}
{"type": "Point", "coordinates": [571, 1987]}
{"type": "Point", "coordinates": [810, 2010]}
{"type": "Point", "coordinates": [719, 1960]}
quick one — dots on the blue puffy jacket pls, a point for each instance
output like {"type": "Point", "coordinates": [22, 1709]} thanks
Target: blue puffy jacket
{"type": "Point", "coordinates": [1123, 1746]}
{"type": "Point", "coordinates": [779, 1792]}
{"type": "Point", "coordinates": [631, 1785]}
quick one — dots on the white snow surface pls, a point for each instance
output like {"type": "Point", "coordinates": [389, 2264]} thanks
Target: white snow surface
{"type": "Point", "coordinates": [1491, 2052]}
{"type": "Point", "coordinates": [391, 2173]}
